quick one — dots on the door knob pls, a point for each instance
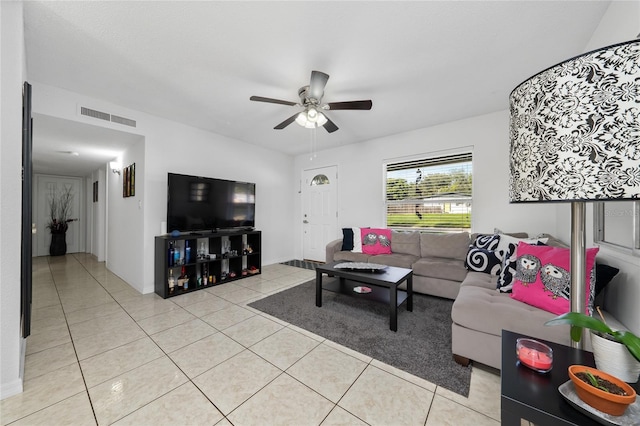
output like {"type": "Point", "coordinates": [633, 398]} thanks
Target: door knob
{"type": "Point", "coordinates": [305, 221]}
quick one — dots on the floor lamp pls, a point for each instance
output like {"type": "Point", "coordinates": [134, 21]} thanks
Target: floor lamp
{"type": "Point", "coordinates": [575, 137]}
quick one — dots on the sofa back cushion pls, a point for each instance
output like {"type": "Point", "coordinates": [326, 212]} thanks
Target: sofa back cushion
{"type": "Point", "coordinates": [405, 242]}
{"type": "Point", "coordinates": [452, 246]}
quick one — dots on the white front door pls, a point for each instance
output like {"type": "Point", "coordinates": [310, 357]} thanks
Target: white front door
{"type": "Point", "coordinates": [45, 186]}
{"type": "Point", "coordinates": [319, 211]}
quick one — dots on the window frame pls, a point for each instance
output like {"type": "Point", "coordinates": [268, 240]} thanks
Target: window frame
{"type": "Point", "coordinates": [599, 229]}
{"type": "Point", "coordinates": [464, 154]}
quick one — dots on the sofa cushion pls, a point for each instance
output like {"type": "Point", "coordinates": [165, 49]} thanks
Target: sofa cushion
{"type": "Point", "coordinates": [376, 241]}
{"type": "Point", "coordinates": [349, 256]}
{"type": "Point", "coordinates": [452, 246]}
{"type": "Point", "coordinates": [405, 242]}
{"type": "Point", "coordinates": [482, 257]}
{"type": "Point", "coordinates": [347, 239]}
{"type": "Point", "coordinates": [489, 311]}
{"type": "Point", "coordinates": [435, 267]}
{"type": "Point", "coordinates": [507, 251]}
{"type": "Point", "coordinates": [357, 240]}
{"type": "Point", "coordinates": [543, 279]}
{"type": "Point", "coordinates": [604, 275]}
{"type": "Point", "coordinates": [479, 279]}
{"type": "Point", "coordinates": [394, 259]}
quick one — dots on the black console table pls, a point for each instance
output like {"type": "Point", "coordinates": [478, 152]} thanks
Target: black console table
{"type": "Point", "coordinates": [535, 397]}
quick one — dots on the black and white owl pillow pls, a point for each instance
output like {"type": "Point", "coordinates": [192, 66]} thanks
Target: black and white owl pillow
{"type": "Point", "coordinates": [482, 257]}
{"type": "Point", "coordinates": [543, 278]}
{"type": "Point", "coordinates": [507, 252]}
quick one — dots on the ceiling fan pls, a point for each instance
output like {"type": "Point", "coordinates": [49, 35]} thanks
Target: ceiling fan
{"type": "Point", "coordinates": [311, 100]}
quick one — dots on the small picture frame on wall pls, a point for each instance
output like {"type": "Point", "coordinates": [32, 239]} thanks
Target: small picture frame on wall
{"type": "Point", "coordinates": [129, 181]}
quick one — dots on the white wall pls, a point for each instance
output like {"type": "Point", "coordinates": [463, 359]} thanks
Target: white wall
{"type": "Point", "coordinates": [622, 297]}
{"type": "Point", "coordinates": [361, 181]}
{"type": "Point", "coordinates": [174, 147]}
{"type": "Point", "coordinates": [125, 221]}
{"type": "Point", "coordinates": [12, 75]}
{"type": "Point", "coordinates": [96, 214]}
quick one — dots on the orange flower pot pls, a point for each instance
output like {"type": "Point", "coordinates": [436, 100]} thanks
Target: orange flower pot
{"type": "Point", "coordinates": [606, 402]}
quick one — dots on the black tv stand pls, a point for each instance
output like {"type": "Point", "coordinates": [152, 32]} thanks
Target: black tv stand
{"type": "Point", "coordinates": [230, 254]}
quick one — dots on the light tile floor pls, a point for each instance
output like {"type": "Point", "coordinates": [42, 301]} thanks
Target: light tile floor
{"type": "Point", "coordinates": [102, 353]}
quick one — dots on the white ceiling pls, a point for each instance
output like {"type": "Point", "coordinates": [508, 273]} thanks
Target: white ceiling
{"type": "Point", "coordinates": [57, 141]}
{"type": "Point", "coordinates": [421, 62]}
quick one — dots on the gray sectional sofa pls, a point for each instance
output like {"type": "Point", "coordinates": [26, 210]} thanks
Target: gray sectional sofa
{"type": "Point", "coordinates": [479, 312]}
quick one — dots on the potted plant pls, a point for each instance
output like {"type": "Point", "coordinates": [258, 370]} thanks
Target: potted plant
{"type": "Point", "coordinates": [600, 390]}
{"type": "Point", "coordinates": [615, 352]}
{"type": "Point", "coordinates": [59, 219]}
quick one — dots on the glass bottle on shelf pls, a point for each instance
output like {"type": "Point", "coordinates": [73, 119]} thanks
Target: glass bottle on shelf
{"type": "Point", "coordinates": [172, 282]}
{"type": "Point", "coordinates": [205, 275]}
{"type": "Point", "coordinates": [186, 278]}
{"type": "Point", "coordinates": [181, 279]}
{"type": "Point", "coordinates": [187, 252]}
{"type": "Point", "coordinates": [172, 255]}
{"type": "Point", "coordinates": [201, 251]}
{"type": "Point", "coordinates": [176, 254]}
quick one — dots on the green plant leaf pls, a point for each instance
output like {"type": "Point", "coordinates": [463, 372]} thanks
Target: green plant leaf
{"type": "Point", "coordinates": [578, 321]}
{"type": "Point", "coordinates": [631, 341]}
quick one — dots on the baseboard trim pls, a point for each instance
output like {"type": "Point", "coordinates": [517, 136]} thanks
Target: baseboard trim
{"type": "Point", "coordinates": [12, 388]}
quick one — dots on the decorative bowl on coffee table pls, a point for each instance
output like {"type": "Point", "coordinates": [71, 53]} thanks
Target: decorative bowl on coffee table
{"type": "Point", "coordinates": [601, 400]}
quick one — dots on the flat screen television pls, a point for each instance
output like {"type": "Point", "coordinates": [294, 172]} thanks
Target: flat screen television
{"type": "Point", "coordinates": [196, 203]}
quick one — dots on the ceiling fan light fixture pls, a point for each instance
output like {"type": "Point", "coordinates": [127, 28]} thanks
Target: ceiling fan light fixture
{"type": "Point", "coordinates": [321, 120]}
{"type": "Point", "coordinates": [312, 114]}
{"type": "Point", "coordinates": [311, 118]}
{"type": "Point", "coordinates": [301, 119]}
{"type": "Point", "coordinates": [311, 100]}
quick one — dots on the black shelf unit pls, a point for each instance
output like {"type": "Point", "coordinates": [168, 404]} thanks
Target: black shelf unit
{"type": "Point", "coordinates": [229, 256]}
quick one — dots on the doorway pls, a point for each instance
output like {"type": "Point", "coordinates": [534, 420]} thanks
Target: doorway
{"type": "Point", "coordinates": [319, 211]}
{"type": "Point", "coordinates": [47, 185]}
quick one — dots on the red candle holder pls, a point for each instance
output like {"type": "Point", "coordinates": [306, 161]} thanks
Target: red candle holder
{"type": "Point", "coordinates": [534, 355]}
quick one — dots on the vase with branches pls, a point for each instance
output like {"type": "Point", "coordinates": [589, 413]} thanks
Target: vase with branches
{"type": "Point", "coordinates": [60, 204]}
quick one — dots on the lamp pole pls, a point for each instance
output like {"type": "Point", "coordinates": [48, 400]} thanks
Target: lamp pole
{"type": "Point", "coordinates": [578, 248]}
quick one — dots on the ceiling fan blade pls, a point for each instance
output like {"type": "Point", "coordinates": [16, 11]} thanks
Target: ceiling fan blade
{"type": "Point", "coordinates": [318, 81]}
{"type": "Point", "coordinates": [350, 105]}
{"type": "Point", "coordinates": [330, 126]}
{"type": "Point", "coordinates": [271, 100]}
{"type": "Point", "coordinates": [286, 122]}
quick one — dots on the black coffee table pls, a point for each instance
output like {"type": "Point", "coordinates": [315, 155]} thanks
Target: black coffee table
{"type": "Point", "coordinates": [384, 286]}
{"type": "Point", "coordinates": [535, 397]}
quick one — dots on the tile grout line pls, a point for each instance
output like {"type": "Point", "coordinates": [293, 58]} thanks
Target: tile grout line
{"type": "Point", "coordinates": [86, 388]}
{"type": "Point", "coordinates": [189, 379]}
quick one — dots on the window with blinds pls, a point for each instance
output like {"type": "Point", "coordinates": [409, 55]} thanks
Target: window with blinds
{"type": "Point", "coordinates": [433, 194]}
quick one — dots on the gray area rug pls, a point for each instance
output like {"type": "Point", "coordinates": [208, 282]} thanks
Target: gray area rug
{"type": "Point", "coordinates": [421, 346]}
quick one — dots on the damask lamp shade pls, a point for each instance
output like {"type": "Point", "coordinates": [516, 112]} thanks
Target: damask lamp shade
{"type": "Point", "coordinates": [575, 137]}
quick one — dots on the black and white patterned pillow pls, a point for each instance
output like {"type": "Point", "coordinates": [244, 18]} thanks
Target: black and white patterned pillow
{"type": "Point", "coordinates": [507, 252]}
{"type": "Point", "coordinates": [481, 256]}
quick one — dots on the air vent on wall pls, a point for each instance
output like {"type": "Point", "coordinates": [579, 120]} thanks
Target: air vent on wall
{"type": "Point", "coordinates": [122, 120]}
{"type": "Point", "coordinates": [107, 117]}
{"type": "Point", "coordinates": [95, 114]}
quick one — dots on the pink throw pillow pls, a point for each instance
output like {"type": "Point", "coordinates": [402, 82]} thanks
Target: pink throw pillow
{"type": "Point", "coordinates": [543, 279]}
{"type": "Point", "coordinates": [376, 241]}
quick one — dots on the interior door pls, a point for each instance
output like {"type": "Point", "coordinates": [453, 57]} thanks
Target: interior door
{"type": "Point", "coordinates": [319, 211]}
{"type": "Point", "coordinates": [45, 186]}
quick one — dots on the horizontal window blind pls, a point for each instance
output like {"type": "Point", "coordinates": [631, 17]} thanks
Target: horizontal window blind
{"type": "Point", "coordinates": [431, 193]}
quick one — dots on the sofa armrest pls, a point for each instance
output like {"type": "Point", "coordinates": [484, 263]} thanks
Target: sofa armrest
{"type": "Point", "coordinates": [332, 248]}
